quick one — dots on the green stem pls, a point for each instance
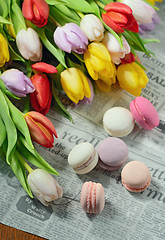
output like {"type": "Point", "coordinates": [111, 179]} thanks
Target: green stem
{"type": "Point", "coordinates": [23, 162]}
{"type": "Point", "coordinates": [26, 105]}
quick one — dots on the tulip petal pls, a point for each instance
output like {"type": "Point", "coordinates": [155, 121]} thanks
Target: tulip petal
{"type": "Point", "coordinates": [99, 50]}
{"type": "Point", "coordinates": [118, 7]}
{"type": "Point", "coordinates": [87, 91]}
{"type": "Point", "coordinates": [111, 24]}
{"type": "Point", "coordinates": [38, 117]}
{"type": "Point", "coordinates": [44, 67]}
{"type": "Point", "coordinates": [61, 40]}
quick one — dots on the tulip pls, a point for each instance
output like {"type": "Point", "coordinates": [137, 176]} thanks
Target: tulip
{"type": "Point", "coordinates": [149, 26]}
{"type": "Point", "coordinates": [17, 82]}
{"type": "Point", "coordinates": [142, 12]}
{"type": "Point", "coordinates": [44, 67]}
{"type": "Point", "coordinates": [92, 27]}
{"type": "Point", "coordinates": [41, 129]}
{"type": "Point", "coordinates": [70, 37]}
{"type": "Point", "coordinates": [42, 96]}
{"type": "Point", "coordinates": [4, 50]}
{"type": "Point", "coordinates": [153, 1]}
{"type": "Point", "coordinates": [132, 78]}
{"type": "Point", "coordinates": [86, 100]}
{"type": "Point", "coordinates": [36, 11]}
{"type": "Point", "coordinates": [44, 186]}
{"type": "Point", "coordinates": [99, 65]}
{"type": "Point", "coordinates": [119, 16]}
{"type": "Point", "coordinates": [128, 58]}
{"type": "Point", "coordinates": [29, 44]}
{"type": "Point", "coordinates": [114, 48]}
{"type": "Point", "coordinates": [75, 84]}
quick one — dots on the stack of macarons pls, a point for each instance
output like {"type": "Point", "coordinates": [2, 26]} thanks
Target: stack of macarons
{"type": "Point", "coordinates": [119, 121]}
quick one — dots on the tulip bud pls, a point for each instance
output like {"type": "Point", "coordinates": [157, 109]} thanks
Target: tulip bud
{"type": "Point", "coordinates": [41, 129]}
{"type": "Point", "coordinates": [142, 12]}
{"type": "Point", "coordinates": [75, 84]}
{"type": "Point", "coordinates": [119, 16]}
{"type": "Point", "coordinates": [128, 58]}
{"type": "Point", "coordinates": [92, 27]}
{"type": "Point", "coordinates": [41, 98]}
{"type": "Point", "coordinates": [99, 65]}
{"type": "Point", "coordinates": [44, 186]}
{"type": "Point", "coordinates": [70, 37]}
{"type": "Point", "coordinates": [132, 78]}
{"type": "Point", "coordinates": [36, 11]}
{"type": "Point", "coordinates": [114, 48]}
{"type": "Point", "coordinates": [17, 82]}
{"type": "Point", "coordinates": [4, 50]}
{"type": "Point", "coordinates": [29, 44]}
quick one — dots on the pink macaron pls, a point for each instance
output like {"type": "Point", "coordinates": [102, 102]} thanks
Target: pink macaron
{"type": "Point", "coordinates": [92, 197]}
{"type": "Point", "coordinates": [113, 152]}
{"type": "Point", "coordinates": [135, 176]}
{"type": "Point", "coordinates": [144, 113]}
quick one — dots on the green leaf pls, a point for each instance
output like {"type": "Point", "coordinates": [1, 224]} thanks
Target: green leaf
{"type": "Point", "coordinates": [34, 157]}
{"type": "Point", "coordinates": [59, 106]}
{"type": "Point", "coordinates": [95, 8]}
{"type": "Point", "coordinates": [80, 5]}
{"type": "Point", "coordinates": [3, 132]}
{"type": "Point", "coordinates": [4, 89]}
{"type": "Point", "coordinates": [19, 122]}
{"type": "Point", "coordinates": [17, 17]}
{"type": "Point", "coordinates": [19, 171]}
{"type": "Point", "coordinates": [10, 127]}
{"type": "Point", "coordinates": [60, 17]}
{"type": "Point", "coordinates": [146, 41]}
{"type": "Point", "coordinates": [67, 12]}
{"type": "Point", "coordinates": [58, 53]}
{"type": "Point", "coordinates": [3, 20]}
{"type": "Point", "coordinates": [4, 8]}
{"type": "Point", "coordinates": [57, 77]}
{"type": "Point", "coordinates": [56, 2]}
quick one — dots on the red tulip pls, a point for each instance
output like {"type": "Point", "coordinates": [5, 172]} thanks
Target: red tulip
{"type": "Point", "coordinates": [41, 129]}
{"type": "Point", "coordinates": [44, 67]}
{"type": "Point", "coordinates": [128, 58]}
{"type": "Point", "coordinates": [42, 96]}
{"type": "Point", "coordinates": [36, 11]}
{"type": "Point", "coordinates": [119, 16]}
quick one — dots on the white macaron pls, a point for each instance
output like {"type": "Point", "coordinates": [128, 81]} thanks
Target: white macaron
{"type": "Point", "coordinates": [83, 158]}
{"type": "Point", "coordinates": [118, 121]}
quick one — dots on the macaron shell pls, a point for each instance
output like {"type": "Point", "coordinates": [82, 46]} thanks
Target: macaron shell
{"type": "Point", "coordinates": [80, 154]}
{"type": "Point", "coordinates": [112, 152]}
{"type": "Point", "coordinates": [90, 166]}
{"type": "Point", "coordinates": [144, 113]}
{"type": "Point", "coordinates": [118, 121]}
{"type": "Point", "coordinates": [135, 176]}
{"type": "Point", "coordinates": [111, 168]}
{"type": "Point", "coordinates": [92, 197]}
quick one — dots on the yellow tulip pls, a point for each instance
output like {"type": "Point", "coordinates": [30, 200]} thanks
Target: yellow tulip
{"type": "Point", "coordinates": [132, 78]}
{"type": "Point", "coordinates": [10, 29]}
{"type": "Point", "coordinates": [4, 50]}
{"type": "Point", "coordinates": [75, 84]}
{"type": "Point", "coordinates": [99, 65]}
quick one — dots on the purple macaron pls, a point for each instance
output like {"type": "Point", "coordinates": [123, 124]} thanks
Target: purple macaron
{"type": "Point", "coordinates": [113, 152]}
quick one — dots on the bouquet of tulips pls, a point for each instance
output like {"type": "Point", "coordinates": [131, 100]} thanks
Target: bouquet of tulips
{"type": "Point", "coordinates": [53, 46]}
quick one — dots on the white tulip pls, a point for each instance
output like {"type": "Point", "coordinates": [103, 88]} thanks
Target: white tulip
{"type": "Point", "coordinates": [92, 27]}
{"type": "Point", "coordinates": [142, 12]}
{"type": "Point", "coordinates": [29, 44]}
{"type": "Point", "coordinates": [44, 186]}
{"type": "Point", "coordinates": [113, 46]}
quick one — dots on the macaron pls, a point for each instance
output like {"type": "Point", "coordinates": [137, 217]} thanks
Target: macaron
{"type": "Point", "coordinates": [135, 176]}
{"type": "Point", "coordinates": [144, 113]}
{"type": "Point", "coordinates": [83, 158]}
{"type": "Point", "coordinates": [92, 197]}
{"type": "Point", "coordinates": [113, 152]}
{"type": "Point", "coordinates": [118, 121]}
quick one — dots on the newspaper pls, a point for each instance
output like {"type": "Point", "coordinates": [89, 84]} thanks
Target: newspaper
{"type": "Point", "coordinates": [126, 215]}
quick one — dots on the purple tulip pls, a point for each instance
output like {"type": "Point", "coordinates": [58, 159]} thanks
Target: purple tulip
{"type": "Point", "coordinates": [17, 82]}
{"type": "Point", "coordinates": [70, 37]}
{"type": "Point", "coordinates": [149, 26]}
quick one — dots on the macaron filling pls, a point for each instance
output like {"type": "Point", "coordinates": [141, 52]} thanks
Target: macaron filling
{"type": "Point", "coordinates": [143, 118]}
{"type": "Point", "coordinates": [87, 163]}
{"type": "Point", "coordinates": [91, 198]}
{"type": "Point", "coordinates": [140, 189]}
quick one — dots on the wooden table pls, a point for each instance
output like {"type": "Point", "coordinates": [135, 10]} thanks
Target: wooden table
{"type": "Point", "coordinates": [8, 233]}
